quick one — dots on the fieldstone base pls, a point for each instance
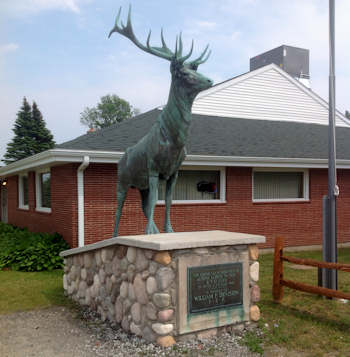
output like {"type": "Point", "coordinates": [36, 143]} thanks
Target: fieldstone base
{"type": "Point", "coordinates": [140, 282]}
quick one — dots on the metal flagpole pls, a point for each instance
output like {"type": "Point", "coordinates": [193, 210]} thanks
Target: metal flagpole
{"type": "Point", "coordinates": [330, 278]}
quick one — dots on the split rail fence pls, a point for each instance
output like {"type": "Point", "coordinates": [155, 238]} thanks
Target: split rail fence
{"type": "Point", "coordinates": [279, 282]}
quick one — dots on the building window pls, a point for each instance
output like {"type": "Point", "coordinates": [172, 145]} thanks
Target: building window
{"type": "Point", "coordinates": [43, 191]}
{"type": "Point", "coordinates": [23, 192]}
{"type": "Point", "coordinates": [280, 185]}
{"type": "Point", "coordinates": [197, 185]}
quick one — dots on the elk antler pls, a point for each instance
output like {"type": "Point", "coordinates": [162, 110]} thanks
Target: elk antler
{"type": "Point", "coordinates": [200, 59]}
{"type": "Point", "coordinates": [164, 51]}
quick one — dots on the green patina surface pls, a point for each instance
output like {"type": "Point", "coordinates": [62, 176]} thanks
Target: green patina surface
{"type": "Point", "coordinates": [232, 315]}
{"type": "Point", "coordinates": [159, 154]}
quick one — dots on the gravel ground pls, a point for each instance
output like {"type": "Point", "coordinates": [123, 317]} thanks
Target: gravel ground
{"type": "Point", "coordinates": [60, 332]}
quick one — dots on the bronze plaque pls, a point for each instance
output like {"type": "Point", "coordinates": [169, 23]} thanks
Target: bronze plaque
{"type": "Point", "coordinates": [214, 287]}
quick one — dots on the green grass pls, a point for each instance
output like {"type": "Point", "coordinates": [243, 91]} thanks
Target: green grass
{"type": "Point", "coordinates": [305, 322]}
{"type": "Point", "coordinates": [253, 342]}
{"type": "Point", "coordinates": [302, 322]}
{"type": "Point", "coordinates": [21, 291]}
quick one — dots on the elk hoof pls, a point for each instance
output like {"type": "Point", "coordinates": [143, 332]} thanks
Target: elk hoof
{"type": "Point", "coordinates": [168, 228]}
{"type": "Point", "coordinates": [152, 229]}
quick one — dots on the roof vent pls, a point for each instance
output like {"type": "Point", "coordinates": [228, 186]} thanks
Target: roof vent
{"type": "Point", "coordinates": [293, 60]}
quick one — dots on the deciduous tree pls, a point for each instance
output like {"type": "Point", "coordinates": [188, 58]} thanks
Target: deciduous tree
{"type": "Point", "coordinates": [111, 109]}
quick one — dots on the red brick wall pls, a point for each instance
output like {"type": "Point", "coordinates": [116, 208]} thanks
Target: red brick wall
{"type": "Point", "coordinates": [63, 216]}
{"type": "Point", "coordinates": [300, 223]}
{"type": "Point", "coordinates": [100, 182]}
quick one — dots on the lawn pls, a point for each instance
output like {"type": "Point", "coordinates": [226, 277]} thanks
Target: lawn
{"type": "Point", "coordinates": [20, 291]}
{"type": "Point", "coordinates": [304, 322]}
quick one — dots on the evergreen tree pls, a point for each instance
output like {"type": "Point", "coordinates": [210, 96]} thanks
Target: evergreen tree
{"type": "Point", "coordinates": [347, 114]}
{"type": "Point", "coordinates": [42, 135]}
{"type": "Point", "coordinates": [31, 134]}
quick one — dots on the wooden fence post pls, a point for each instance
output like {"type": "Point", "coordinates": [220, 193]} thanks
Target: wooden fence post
{"type": "Point", "coordinates": [277, 289]}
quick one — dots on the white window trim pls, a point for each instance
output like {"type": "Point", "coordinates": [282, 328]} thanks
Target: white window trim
{"type": "Point", "coordinates": [39, 208]}
{"type": "Point", "coordinates": [222, 198]}
{"type": "Point", "coordinates": [306, 184]}
{"type": "Point", "coordinates": [21, 205]}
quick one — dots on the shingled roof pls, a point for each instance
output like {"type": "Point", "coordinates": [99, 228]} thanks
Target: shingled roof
{"type": "Point", "coordinates": [220, 136]}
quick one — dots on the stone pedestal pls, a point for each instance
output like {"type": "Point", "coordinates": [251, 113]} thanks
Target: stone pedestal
{"type": "Point", "coordinates": [168, 287]}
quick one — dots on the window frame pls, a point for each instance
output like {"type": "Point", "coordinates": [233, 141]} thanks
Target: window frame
{"type": "Point", "coordinates": [21, 204]}
{"type": "Point", "coordinates": [306, 184]}
{"type": "Point", "coordinates": [38, 193]}
{"type": "Point", "coordinates": [222, 199]}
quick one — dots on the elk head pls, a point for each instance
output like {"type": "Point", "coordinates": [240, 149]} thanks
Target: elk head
{"type": "Point", "coordinates": [184, 74]}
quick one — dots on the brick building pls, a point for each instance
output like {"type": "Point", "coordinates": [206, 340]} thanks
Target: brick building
{"type": "Point", "coordinates": [256, 163]}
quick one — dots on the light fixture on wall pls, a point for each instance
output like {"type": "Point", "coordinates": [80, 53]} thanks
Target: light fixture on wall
{"type": "Point", "coordinates": [4, 183]}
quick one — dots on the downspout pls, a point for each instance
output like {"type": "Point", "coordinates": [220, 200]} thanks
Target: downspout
{"type": "Point", "coordinates": [80, 186]}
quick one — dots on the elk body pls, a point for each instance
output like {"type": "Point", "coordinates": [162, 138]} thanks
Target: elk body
{"type": "Point", "coordinates": [159, 154]}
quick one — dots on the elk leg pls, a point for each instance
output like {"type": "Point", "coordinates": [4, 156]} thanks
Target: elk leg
{"type": "Point", "coordinates": [151, 227]}
{"type": "Point", "coordinates": [170, 184]}
{"type": "Point", "coordinates": [121, 195]}
{"type": "Point", "coordinates": [144, 201]}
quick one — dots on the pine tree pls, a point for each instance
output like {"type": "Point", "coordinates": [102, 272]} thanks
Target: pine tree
{"type": "Point", "coordinates": [31, 134]}
{"type": "Point", "coordinates": [42, 135]}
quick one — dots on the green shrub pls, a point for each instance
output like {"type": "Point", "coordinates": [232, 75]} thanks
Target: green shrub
{"type": "Point", "coordinates": [24, 250]}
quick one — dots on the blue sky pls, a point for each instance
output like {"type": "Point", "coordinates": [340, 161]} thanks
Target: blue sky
{"type": "Point", "coordinates": [56, 52]}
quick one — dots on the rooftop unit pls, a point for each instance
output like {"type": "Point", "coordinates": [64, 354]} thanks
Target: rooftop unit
{"type": "Point", "coordinates": [293, 60]}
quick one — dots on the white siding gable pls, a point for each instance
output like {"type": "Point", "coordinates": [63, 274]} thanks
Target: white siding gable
{"type": "Point", "coordinates": [268, 93]}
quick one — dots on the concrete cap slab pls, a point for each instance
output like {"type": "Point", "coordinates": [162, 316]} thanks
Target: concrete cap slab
{"type": "Point", "coordinates": [172, 241]}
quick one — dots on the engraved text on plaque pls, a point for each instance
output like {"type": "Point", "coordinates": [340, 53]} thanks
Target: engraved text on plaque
{"type": "Point", "coordinates": [214, 287]}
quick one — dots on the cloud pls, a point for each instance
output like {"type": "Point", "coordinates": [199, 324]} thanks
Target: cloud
{"type": "Point", "coordinates": [25, 7]}
{"type": "Point", "coordinates": [70, 5]}
{"type": "Point", "coordinates": [8, 47]}
{"type": "Point", "coordinates": [235, 35]}
{"type": "Point", "coordinates": [206, 24]}
{"type": "Point", "coordinates": [5, 50]}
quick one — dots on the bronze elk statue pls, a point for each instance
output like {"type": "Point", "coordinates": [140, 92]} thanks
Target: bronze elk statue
{"type": "Point", "coordinates": [159, 154]}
